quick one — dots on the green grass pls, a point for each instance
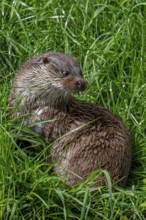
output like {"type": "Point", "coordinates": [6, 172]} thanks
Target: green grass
{"type": "Point", "coordinates": [108, 38]}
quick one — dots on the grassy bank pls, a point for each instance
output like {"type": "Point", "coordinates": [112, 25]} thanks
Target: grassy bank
{"type": "Point", "coordinates": [108, 38]}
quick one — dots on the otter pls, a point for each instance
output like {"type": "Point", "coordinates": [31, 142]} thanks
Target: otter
{"type": "Point", "coordinates": [85, 137]}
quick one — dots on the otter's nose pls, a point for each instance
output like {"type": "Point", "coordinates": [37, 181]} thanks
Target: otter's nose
{"type": "Point", "coordinates": [81, 84]}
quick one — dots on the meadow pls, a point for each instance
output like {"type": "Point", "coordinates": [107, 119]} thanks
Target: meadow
{"type": "Point", "coordinates": [108, 38]}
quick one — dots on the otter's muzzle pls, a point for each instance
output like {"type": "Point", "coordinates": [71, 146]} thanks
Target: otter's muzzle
{"type": "Point", "coordinates": [81, 85]}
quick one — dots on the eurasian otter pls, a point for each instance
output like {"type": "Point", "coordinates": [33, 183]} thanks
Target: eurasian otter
{"type": "Point", "coordinates": [85, 136]}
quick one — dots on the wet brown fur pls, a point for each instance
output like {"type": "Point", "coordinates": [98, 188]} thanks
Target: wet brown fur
{"type": "Point", "coordinates": [85, 136]}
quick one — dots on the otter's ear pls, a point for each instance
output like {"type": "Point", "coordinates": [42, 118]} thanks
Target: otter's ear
{"type": "Point", "coordinates": [43, 60]}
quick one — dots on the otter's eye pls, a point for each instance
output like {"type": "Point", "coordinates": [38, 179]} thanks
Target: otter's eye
{"type": "Point", "coordinates": [65, 73]}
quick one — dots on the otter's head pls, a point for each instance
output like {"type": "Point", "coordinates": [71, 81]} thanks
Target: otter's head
{"type": "Point", "coordinates": [61, 72]}
{"type": "Point", "coordinates": [46, 79]}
